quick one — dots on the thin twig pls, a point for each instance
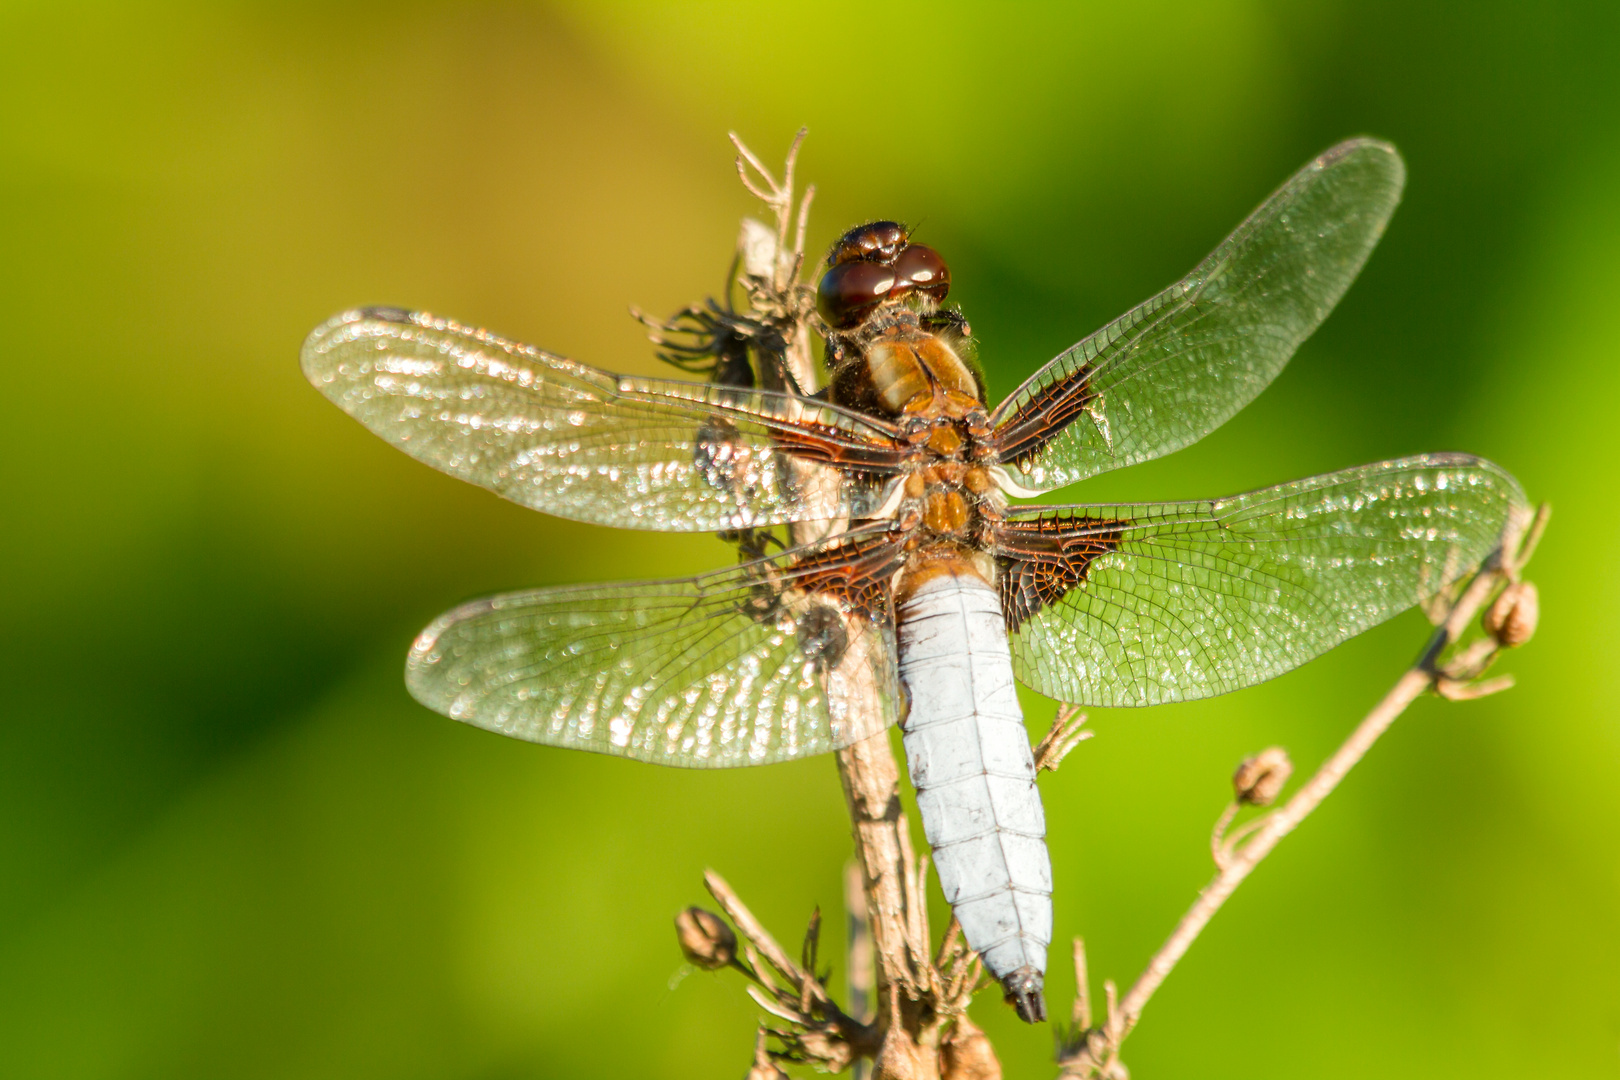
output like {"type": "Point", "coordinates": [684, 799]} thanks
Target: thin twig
{"type": "Point", "coordinates": [922, 933]}
{"type": "Point", "coordinates": [1066, 733]}
{"type": "Point", "coordinates": [1082, 987]}
{"type": "Point", "coordinates": [959, 977]}
{"type": "Point", "coordinates": [1101, 1047]}
{"type": "Point", "coordinates": [758, 936]}
{"type": "Point", "coordinates": [745, 157]}
{"type": "Point", "coordinates": [1527, 546]}
{"type": "Point", "coordinates": [781, 1012]}
{"type": "Point", "coordinates": [757, 968]}
{"type": "Point", "coordinates": [1230, 842]}
{"type": "Point", "coordinates": [947, 944]}
{"type": "Point", "coordinates": [1278, 825]}
{"type": "Point", "coordinates": [1217, 835]}
{"type": "Point", "coordinates": [1462, 690]}
{"type": "Point", "coordinates": [804, 220]}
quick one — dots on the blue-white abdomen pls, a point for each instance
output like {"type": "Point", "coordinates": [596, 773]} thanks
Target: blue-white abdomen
{"type": "Point", "coordinates": [971, 764]}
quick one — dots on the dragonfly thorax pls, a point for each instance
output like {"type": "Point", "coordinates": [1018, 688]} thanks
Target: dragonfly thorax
{"type": "Point", "coordinates": [901, 359]}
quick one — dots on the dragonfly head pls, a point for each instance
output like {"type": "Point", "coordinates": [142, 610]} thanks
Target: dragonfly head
{"type": "Point", "coordinates": [874, 263]}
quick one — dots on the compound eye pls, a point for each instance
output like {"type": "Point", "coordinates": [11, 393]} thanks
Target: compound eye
{"type": "Point", "coordinates": [922, 268]}
{"type": "Point", "coordinates": [878, 241]}
{"type": "Point", "coordinates": [849, 291]}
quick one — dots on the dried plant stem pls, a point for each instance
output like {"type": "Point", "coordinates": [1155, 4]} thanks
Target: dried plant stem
{"type": "Point", "coordinates": [891, 877]}
{"type": "Point", "coordinates": [870, 776]}
{"type": "Point", "coordinates": [1098, 1053]}
{"type": "Point", "coordinates": [1406, 690]}
{"type": "Point", "coordinates": [871, 782]}
{"type": "Point", "coordinates": [1066, 733]}
{"type": "Point", "coordinates": [858, 962]}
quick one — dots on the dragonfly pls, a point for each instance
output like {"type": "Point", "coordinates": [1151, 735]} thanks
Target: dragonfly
{"type": "Point", "coordinates": [933, 593]}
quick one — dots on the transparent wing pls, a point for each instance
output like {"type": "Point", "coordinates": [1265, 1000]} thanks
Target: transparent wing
{"type": "Point", "coordinates": [580, 443]}
{"type": "Point", "coordinates": [1168, 373]}
{"type": "Point", "coordinates": [776, 659]}
{"type": "Point", "coordinates": [1138, 605]}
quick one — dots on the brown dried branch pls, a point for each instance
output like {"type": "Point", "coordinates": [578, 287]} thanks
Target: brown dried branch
{"type": "Point", "coordinates": [1095, 1053]}
{"type": "Point", "coordinates": [1082, 988]}
{"type": "Point", "coordinates": [779, 197]}
{"type": "Point", "coordinates": [764, 1068]}
{"type": "Point", "coordinates": [910, 1012]}
{"type": "Point", "coordinates": [750, 928]}
{"type": "Point", "coordinates": [919, 1026]}
{"type": "Point", "coordinates": [858, 950]}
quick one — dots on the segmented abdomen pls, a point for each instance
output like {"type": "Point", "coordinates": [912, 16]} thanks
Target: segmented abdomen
{"type": "Point", "coordinates": [970, 761]}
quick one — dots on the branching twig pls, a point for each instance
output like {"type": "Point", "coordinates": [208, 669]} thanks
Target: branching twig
{"type": "Point", "coordinates": [1097, 1052]}
{"type": "Point", "coordinates": [784, 269]}
{"type": "Point", "coordinates": [1066, 733]}
{"type": "Point", "coordinates": [761, 939]}
{"type": "Point", "coordinates": [819, 1030]}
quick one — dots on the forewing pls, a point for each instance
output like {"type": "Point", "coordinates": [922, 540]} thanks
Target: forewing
{"type": "Point", "coordinates": [775, 659]}
{"type": "Point", "coordinates": [1144, 604]}
{"type": "Point", "coordinates": [583, 444]}
{"type": "Point", "coordinates": [1174, 369]}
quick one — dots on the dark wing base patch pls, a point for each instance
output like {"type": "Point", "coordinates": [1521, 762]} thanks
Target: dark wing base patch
{"type": "Point", "coordinates": [1041, 559]}
{"type": "Point", "coordinates": [855, 574]}
{"type": "Point", "coordinates": [1045, 415]}
{"type": "Point", "coordinates": [843, 580]}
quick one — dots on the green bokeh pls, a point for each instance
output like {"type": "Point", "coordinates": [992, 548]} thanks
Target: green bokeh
{"type": "Point", "coordinates": [230, 845]}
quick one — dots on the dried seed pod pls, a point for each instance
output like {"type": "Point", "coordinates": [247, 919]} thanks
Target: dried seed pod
{"type": "Point", "coordinates": [1512, 619]}
{"type": "Point", "coordinates": [706, 940]}
{"type": "Point", "coordinates": [1259, 778]}
{"type": "Point", "coordinates": [966, 1054]}
{"type": "Point", "coordinates": [764, 1068]}
{"type": "Point", "coordinates": [766, 1071]}
{"type": "Point", "coordinates": [828, 1050]}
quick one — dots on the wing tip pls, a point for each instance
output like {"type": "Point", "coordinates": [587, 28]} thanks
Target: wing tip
{"type": "Point", "coordinates": [387, 313]}
{"type": "Point", "coordinates": [1369, 148]}
{"type": "Point", "coordinates": [313, 350]}
{"type": "Point", "coordinates": [421, 663]}
{"type": "Point", "coordinates": [1354, 143]}
{"type": "Point", "coordinates": [425, 676]}
{"type": "Point", "coordinates": [319, 341]}
{"type": "Point", "coordinates": [1458, 460]}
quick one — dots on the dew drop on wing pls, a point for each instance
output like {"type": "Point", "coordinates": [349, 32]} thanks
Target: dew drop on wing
{"type": "Point", "coordinates": [716, 454]}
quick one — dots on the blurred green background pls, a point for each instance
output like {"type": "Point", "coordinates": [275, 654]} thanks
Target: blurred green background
{"type": "Point", "coordinates": [230, 844]}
